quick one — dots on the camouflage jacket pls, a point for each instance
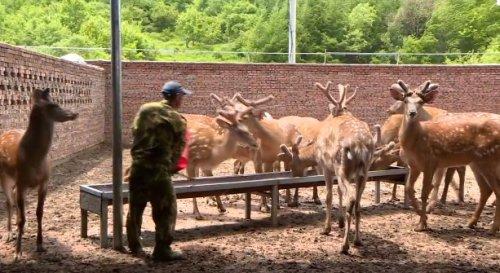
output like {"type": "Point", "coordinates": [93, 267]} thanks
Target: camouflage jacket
{"type": "Point", "coordinates": [158, 132]}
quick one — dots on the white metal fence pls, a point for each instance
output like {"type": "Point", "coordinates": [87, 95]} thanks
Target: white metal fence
{"type": "Point", "coordinates": [170, 54]}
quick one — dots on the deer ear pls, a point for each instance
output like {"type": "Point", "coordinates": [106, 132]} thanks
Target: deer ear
{"type": "Point", "coordinates": [331, 107]}
{"type": "Point", "coordinates": [222, 123]}
{"type": "Point", "coordinates": [46, 93]}
{"type": "Point", "coordinates": [397, 92]}
{"type": "Point", "coordinates": [430, 94]}
{"type": "Point", "coordinates": [285, 150]}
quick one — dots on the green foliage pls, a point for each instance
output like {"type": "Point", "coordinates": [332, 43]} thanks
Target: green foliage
{"type": "Point", "coordinates": [405, 26]}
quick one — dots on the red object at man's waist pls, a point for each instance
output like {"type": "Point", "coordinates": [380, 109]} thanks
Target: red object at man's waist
{"type": "Point", "coordinates": [184, 159]}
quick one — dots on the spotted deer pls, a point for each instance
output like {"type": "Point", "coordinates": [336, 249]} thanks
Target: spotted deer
{"type": "Point", "coordinates": [390, 132]}
{"type": "Point", "coordinates": [24, 163]}
{"type": "Point", "coordinates": [451, 140]}
{"type": "Point", "coordinates": [344, 147]}
{"type": "Point", "coordinates": [207, 148]}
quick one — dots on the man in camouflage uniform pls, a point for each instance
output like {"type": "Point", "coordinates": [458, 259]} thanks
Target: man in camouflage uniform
{"type": "Point", "coordinates": [158, 131]}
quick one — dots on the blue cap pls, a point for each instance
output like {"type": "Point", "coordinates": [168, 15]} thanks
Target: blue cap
{"type": "Point", "coordinates": [173, 87]}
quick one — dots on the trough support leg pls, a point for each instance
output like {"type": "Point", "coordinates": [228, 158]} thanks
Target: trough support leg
{"type": "Point", "coordinates": [84, 226]}
{"type": "Point", "coordinates": [248, 206]}
{"type": "Point", "coordinates": [377, 192]}
{"type": "Point", "coordinates": [104, 225]}
{"type": "Point", "coordinates": [274, 206]}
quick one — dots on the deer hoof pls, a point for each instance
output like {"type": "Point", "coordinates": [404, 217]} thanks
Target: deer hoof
{"type": "Point", "coordinates": [358, 242]}
{"type": "Point", "coordinates": [421, 227]}
{"type": "Point", "coordinates": [472, 224]}
{"type": "Point", "coordinates": [345, 250]}
{"type": "Point", "coordinates": [341, 223]}
{"type": "Point", "coordinates": [326, 231]}
{"type": "Point", "coordinates": [40, 248]}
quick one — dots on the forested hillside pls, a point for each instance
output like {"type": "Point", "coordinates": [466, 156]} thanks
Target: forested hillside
{"type": "Point", "coordinates": [155, 29]}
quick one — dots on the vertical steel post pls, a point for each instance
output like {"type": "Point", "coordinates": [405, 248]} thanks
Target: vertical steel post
{"type": "Point", "coordinates": [117, 125]}
{"type": "Point", "coordinates": [292, 27]}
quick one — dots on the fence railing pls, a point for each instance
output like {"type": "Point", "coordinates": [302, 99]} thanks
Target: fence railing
{"type": "Point", "coordinates": [170, 54]}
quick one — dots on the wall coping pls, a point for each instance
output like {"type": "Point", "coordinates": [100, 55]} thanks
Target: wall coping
{"type": "Point", "coordinates": [490, 66]}
{"type": "Point", "coordinates": [31, 52]}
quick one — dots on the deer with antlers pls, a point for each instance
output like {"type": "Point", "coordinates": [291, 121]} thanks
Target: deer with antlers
{"type": "Point", "coordinates": [345, 147]}
{"type": "Point", "coordinates": [308, 128]}
{"type": "Point", "coordinates": [268, 132]}
{"type": "Point", "coordinates": [452, 140]}
{"type": "Point", "coordinates": [207, 148]}
{"type": "Point", "coordinates": [24, 163]}
{"type": "Point", "coordinates": [390, 132]}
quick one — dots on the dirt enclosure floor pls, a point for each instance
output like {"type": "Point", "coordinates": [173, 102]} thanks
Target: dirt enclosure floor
{"type": "Point", "coordinates": [227, 243]}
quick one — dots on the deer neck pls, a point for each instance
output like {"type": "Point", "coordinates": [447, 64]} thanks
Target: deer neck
{"type": "Point", "coordinates": [410, 131]}
{"type": "Point", "coordinates": [258, 130]}
{"type": "Point", "coordinates": [225, 147]}
{"type": "Point", "coordinates": [38, 137]}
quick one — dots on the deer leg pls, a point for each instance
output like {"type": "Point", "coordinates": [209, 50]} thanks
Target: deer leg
{"type": "Point", "coordinates": [394, 197]}
{"type": "Point", "coordinates": [264, 207]}
{"type": "Point", "coordinates": [484, 191]}
{"type": "Point", "coordinates": [357, 212]}
{"type": "Point", "coordinates": [461, 184]}
{"type": "Point", "coordinates": [8, 207]}
{"type": "Point", "coordinates": [447, 180]}
{"type": "Point", "coordinates": [348, 216]}
{"type": "Point", "coordinates": [21, 219]}
{"type": "Point", "coordinates": [410, 188]}
{"type": "Point", "coordinates": [220, 206]}
{"type": "Point", "coordinates": [438, 176]}
{"type": "Point", "coordinates": [42, 193]}
{"type": "Point", "coordinates": [329, 188]}
{"type": "Point", "coordinates": [196, 211]}
{"type": "Point", "coordinates": [426, 190]}
{"type": "Point", "coordinates": [341, 208]}
{"type": "Point", "coordinates": [316, 199]}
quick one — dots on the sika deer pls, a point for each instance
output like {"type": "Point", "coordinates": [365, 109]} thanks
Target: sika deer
{"type": "Point", "coordinates": [268, 132]}
{"type": "Point", "coordinates": [390, 132]}
{"type": "Point", "coordinates": [448, 141]}
{"type": "Point", "coordinates": [308, 128]}
{"type": "Point", "coordinates": [345, 147]}
{"type": "Point", "coordinates": [23, 160]}
{"type": "Point", "coordinates": [207, 149]}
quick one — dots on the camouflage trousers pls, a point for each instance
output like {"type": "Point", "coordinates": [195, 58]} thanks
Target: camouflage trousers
{"type": "Point", "coordinates": [153, 184]}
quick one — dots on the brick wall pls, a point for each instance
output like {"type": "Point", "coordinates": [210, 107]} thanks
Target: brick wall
{"type": "Point", "coordinates": [462, 88]}
{"type": "Point", "coordinates": [76, 87]}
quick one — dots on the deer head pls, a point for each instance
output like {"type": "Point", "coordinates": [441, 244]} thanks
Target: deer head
{"type": "Point", "coordinates": [396, 108]}
{"type": "Point", "coordinates": [229, 119]}
{"type": "Point", "coordinates": [51, 110]}
{"type": "Point", "coordinates": [336, 107]}
{"type": "Point", "coordinates": [298, 164]}
{"type": "Point", "coordinates": [413, 100]}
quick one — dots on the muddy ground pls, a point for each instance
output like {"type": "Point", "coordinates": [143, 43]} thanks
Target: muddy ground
{"type": "Point", "coordinates": [227, 243]}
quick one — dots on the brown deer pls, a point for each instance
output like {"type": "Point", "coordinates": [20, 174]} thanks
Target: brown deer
{"type": "Point", "coordinates": [207, 148]}
{"type": "Point", "coordinates": [344, 147]}
{"type": "Point", "coordinates": [23, 160]}
{"type": "Point", "coordinates": [451, 140]}
{"type": "Point", "coordinates": [390, 132]}
{"type": "Point", "coordinates": [308, 128]}
{"type": "Point", "coordinates": [269, 133]}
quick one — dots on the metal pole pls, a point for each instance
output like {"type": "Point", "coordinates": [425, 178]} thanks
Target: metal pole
{"type": "Point", "coordinates": [117, 125]}
{"type": "Point", "coordinates": [292, 26]}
